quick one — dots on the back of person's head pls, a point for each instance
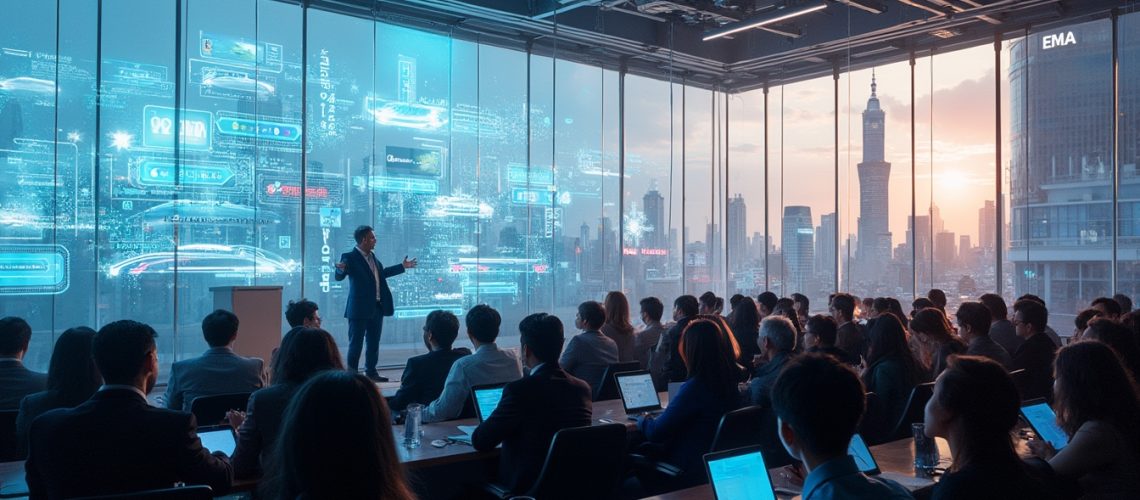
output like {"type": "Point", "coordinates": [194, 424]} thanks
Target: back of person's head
{"type": "Point", "coordinates": [1119, 338]}
{"type": "Point", "coordinates": [785, 305]}
{"type": "Point", "coordinates": [844, 304]}
{"type": "Point", "coordinates": [122, 350]}
{"type": "Point", "coordinates": [1107, 306]}
{"type": "Point", "coordinates": [592, 314]}
{"type": "Point", "coordinates": [802, 301]}
{"type": "Point", "coordinates": [305, 352]}
{"type": "Point", "coordinates": [653, 308]}
{"type": "Point", "coordinates": [220, 328]}
{"type": "Point", "coordinates": [746, 317]}
{"type": "Point", "coordinates": [542, 335]}
{"type": "Point", "coordinates": [821, 400]}
{"type": "Point", "coordinates": [932, 323]}
{"type": "Point", "coordinates": [768, 300]}
{"type": "Point", "coordinates": [707, 300]}
{"type": "Point", "coordinates": [888, 339]}
{"type": "Point", "coordinates": [1033, 313]}
{"type": "Point", "coordinates": [895, 307]}
{"type": "Point", "coordinates": [824, 328]}
{"type": "Point", "coordinates": [981, 397]}
{"type": "Point", "coordinates": [1081, 321]}
{"type": "Point", "coordinates": [734, 301]}
{"type": "Point", "coordinates": [1030, 296]}
{"type": "Point", "coordinates": [617, 312]}
{"type": "Point", "coordinates": [483, 323]}
{"type": "Point", "coordinates": [15, 334]}
{"type": "Point", "coordinates": [72, 374]}
{"type": "Point", "coordinates": [975, 316]}
{"type": "Point", "coordinates": [881, 304]}
{"type": "Point", "coordinates": [920, 304]}
{"type": "Point", "coordinates": [996, 305]}
{"type": "Point", "coordinates": [313, 458]}
{"type": "Point", "coordinates": [299, 311]}
{"type": "Point", "coordinates": [1092, 384]}
{"type": "Point", "coordinates": [937, 297]}
{"type": "Point", "coordinates": [687, 304]}
{"type": "Point", "coordinates": [360, 232]}
{"type": "Point", "coordinates": [1124, 301]}
{"type": "Point", "coordinates": [708, 356]}
{"type": "Point", "coordinates": [780, 331]}
{"type": "Point", "coordinates": [444, 327]}
{"type": "Point", "coordinates": [868, 304]}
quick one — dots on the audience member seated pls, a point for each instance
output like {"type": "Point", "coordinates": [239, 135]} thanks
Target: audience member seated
{"type": "Point", "coordinates": [974, 328]}
{"type": "Point", "coordinates": [304, 353]}
{"type": "Point", "coordinates": [819, 336]}
{"type": "Point", "coordinates": [975, 407]}
{"type": "Point", "coordinates": [1035, 355]}
{"type": "Point", "coordinates": [932, 329]}
{"type": "Point", "coordinates": [890, 371]}
{"type": "Point", "coordinates": [920, 304]}
{"type": "Point", "coordinates": [646, 340]}
{"type": "Point", "coordinates": [424, 375]}
{"type": "Point", "coordinates": [766, 303]}
{"type": "Point", "coordinates": [849, 336]}
{"type": "Point", "coordinates": [706, 303]}
{"type": "Point", "coordinates": [1120, 339]}
{"type": "Point", "coordinates": [114, 442]}
{"type": "Point", "coordinates": [535, 407]}
{"type": "Point", "coordinates": [16, 381]}
{"type": "Point", "coordinates": [71, 379]}
{"type": "Point", "coordinates": [1096, 402]}
{"type": "Point", "coordinates": [617, 326]}
{"type": "Point", "coordinates": [488, 365]}
{"type": "Point", "coordinates": [1125, 303]}
{"type": "Point", "coordinates": [316, 461]}
{"type": "Point", "coordinates": [802, 306]}
{"type": "Point", "coordinates": [219, 370]}
{"type": "Point", "coordinates": [302, 313]}
{"type": "Point", "coordinates": [1049, 331]}
{"type": "Point", "coordinates": [818, 402]}
{"type": "Point", "coordinates": [777, 341]}
{"type": "Point", "coordinates": [589, 353]}
{"type": "Point", "coordinates": [685, 430]}
{"type": "Point", "coordinates": [685, 308]}
{"type": "Point", "coordinates": [1106, 307]}
{"type": "Point", "coordinates": [1081, 323]}
{"type": "Point", "coordinates": [787, 308]}
{"type": "Point", "coordinates": [938, 298]}
{"type": "Point", "coordinates": [1001, 329]}
{"type": "Point", "coordinates": [745, 325]}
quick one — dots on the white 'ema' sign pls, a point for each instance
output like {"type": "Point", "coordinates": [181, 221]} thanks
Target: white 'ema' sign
{"type": "Point", "coordinates": [1058, 40]}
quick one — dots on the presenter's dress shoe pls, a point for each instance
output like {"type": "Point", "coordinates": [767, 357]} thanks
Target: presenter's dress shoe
{"type": "Point", "coordinates": [376, 377]}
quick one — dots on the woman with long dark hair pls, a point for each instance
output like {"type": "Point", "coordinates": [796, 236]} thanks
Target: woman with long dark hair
{"type": "Point", "coordinates": [1119, 338]}
{"type": "Point", "coordinates": [745, 325]}
{"type": "Point", "coordinates": [617, 326]}
{"type": "Point", "coordinates": [890, 371]}
{"type": "Point", "coordinates": [975, 406]}
{"type": "Point", "coordinates": [337, 442]}
{"type": "Point", "coordinates": [71, 379]}
{"type": "Point", "coordinates": [932, 331]}
{"type": "Point", "coordinates": [1097, 404]}
{"type": "Point", "coordinates": [304, 353]}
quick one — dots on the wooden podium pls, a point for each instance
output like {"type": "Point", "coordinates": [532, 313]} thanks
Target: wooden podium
{"type": "Point", "coordinates": [258, 309]}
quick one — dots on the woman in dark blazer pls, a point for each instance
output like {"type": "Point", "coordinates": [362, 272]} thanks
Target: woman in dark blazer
{"type": "Point", "coordinates": [891, 371]}
{"type": "Point", "coordinates": [72, 379]}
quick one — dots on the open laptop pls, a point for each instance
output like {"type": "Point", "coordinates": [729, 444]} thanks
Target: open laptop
{"type": "Point", "coordinates": [739, 474]}
{"type": "Point", "coordinates": [486, 399]}
{"type": "Point", "coordinates": [638, 394]}
{"type": "Point", "coordinates": [218, 438]}
{"type": "Point", "coordinates": [1044, 423]}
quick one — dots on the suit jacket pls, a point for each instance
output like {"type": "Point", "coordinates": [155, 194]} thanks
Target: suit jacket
{"type": "Point", "coordinates": [362, 285]}
{"type": "Point", "coordinates": [644, 342]}
{"type": "Point", "coordinates": [674, 368]}
{"type": "Point", "coordinates": [219, 370]}
{"type": "Point", "coordinates": [1003, 333]}
{"type": "Point", "coordinates": [1035, 356]}
{"type": "Point", "coordinates": [687, 427]}
{"type": "Point", "coordinates": [259, 430]}
{"type": "Point", "coordinates": [532, 410]}
{"type": "Point", "coordinates": [116, 443]}
{"type": "Point", "coordinates": [31, 407]}
{"type": "Point", "coordinates": [587, 356]}
{"type": "Point", "coordinates": [17, 382]}
{"type": "Point", "coordinates": [851, 338]}
{"type": "Point", "coordinates": [423, 377]}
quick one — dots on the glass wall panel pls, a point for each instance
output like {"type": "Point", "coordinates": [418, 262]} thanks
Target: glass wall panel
{"type": "Point", "coordinates": [701, 234]}
{"type": "Point", "coordinates": [1128, 251]}
{"type": "Point", "coordinates": [744, 234]}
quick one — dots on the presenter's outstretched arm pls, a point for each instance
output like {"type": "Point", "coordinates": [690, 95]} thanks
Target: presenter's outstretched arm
{"type": "Point", "coordinates": [408, 264]}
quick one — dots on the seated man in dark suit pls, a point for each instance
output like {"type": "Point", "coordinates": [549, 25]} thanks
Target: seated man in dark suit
{"type": "Point", "coordinates": [219, 370]}
{"type": "Point", "coordinates": [15, 380]}
{"type": "Point", "coordinates": [666, 355]}
{"type": "Point", "coordinates": [849, 336]}
{"type": "Point", "coordinates": [116, 443]}
{"type": "Point", "coordinates": [535, 407]}
{"type": "Point", "coordinates": [820, 335]}
{"type": "Point", "coordinates": [589, 353]}
{"type": "Point", "coordinates": [302, 313]}
{"type": "Point", "coordinates": [1035, 355]}
{"type": "Point", "coordinates": [423, 377]}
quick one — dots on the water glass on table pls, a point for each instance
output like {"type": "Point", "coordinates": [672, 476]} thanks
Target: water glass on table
{"type": "Point", "coordinates": [925, 451]}
{"type": "Point", "coordinates": [413, 418]}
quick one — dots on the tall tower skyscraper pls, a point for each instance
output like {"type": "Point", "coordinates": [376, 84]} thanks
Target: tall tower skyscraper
{"type": "Point", "coordinates": [654, 206]}
{"type": "Point", "coordinates": [987, 217]}
{"type": "Point", "coordinates": [874, 196]}
{"type": "Point", "coordinates": [797, 246]}
{"type": "Point", "coordinates": [737, 232]}
{"type": "Point", "coordinates": [825, 248]}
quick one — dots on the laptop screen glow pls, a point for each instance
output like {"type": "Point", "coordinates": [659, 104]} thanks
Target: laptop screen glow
{"type": "Point", "coordinates": [218, 440]}
{"type": "Point", "coordinates": [637, 391]}
{"type": "Point", "coordinates": [741, 477]}
{"type": "Point", "coordinates": [862, 455]}
{"type": "Point", "coordinates": [488, 400]}
{"type": "Point", "coordinates": [1044, 423]}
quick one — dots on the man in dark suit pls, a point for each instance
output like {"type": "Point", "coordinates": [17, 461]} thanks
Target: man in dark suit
{"type": "Point", "coordinates": [1035, 355]}
{"type": "Point", "coordinates": [534, 407]}
{"type": "Point", "coordinates": [115, 443]}
{"type": "Point", "coordinates": [848, 334]}
{"type": "Point", "coordinates": [685, 308]}
{"type": "Point", "coordinates": [15, 380]}
{"type": "Point", "coordinates": [219, 370]}
{"type": "Point", "coordinates": [423, 377]}
{"type": "Point", "coordinates": [369, 299]}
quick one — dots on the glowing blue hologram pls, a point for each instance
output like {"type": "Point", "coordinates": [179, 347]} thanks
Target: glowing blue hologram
{"type": "Point", "coordinates": [212, 213]}
{"type": "Point", "coordinates": [491, 288]}
{"type": "Point", "coordinates": [424, 310]}
{"type": "Point", "coordinates": [405, 114]}
{"type": "Point", "coordinates": [27, 84]}
{"type": "Point", "coordinates": [403, 185]}
{"type": "Point", "coordinates": [34, 269]}
{"type": "Point", "coordinates": [459, 206]}
{"type": "Point", "coordinates": [205, 259]}
{"type": "Point", "coordinates": [194, 128]}
{"type": "Point", "coordinates": [164, 173]}
{"type": "Point", "coordinates": [240, 83]}
{"type": "Point", "coordinates": [261, 129]}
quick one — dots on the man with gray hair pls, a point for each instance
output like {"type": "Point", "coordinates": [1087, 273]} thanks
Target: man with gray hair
{"type": "Point", "coordinates": [777, 341]}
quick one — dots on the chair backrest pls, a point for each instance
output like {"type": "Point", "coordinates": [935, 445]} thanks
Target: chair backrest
{"type": "Point", "coordinates": [739, 428]}
{"type": "Point", "coordinates": [1020, 380]}
{"type": "Point", "coordinates": [913, 412]}
{"type": "Point", "coordinates": [873, 427]}
{"type": "Point", "coordinates": [9, 449]}
{"type": "Point", "coordinates": [198, 492]}
{"type": "Point", "coordinates": [608, 389]}
{"type": "Point", "coordinates": [583, 462]}
{"type": "Point", "coordinates": [211, 410]}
